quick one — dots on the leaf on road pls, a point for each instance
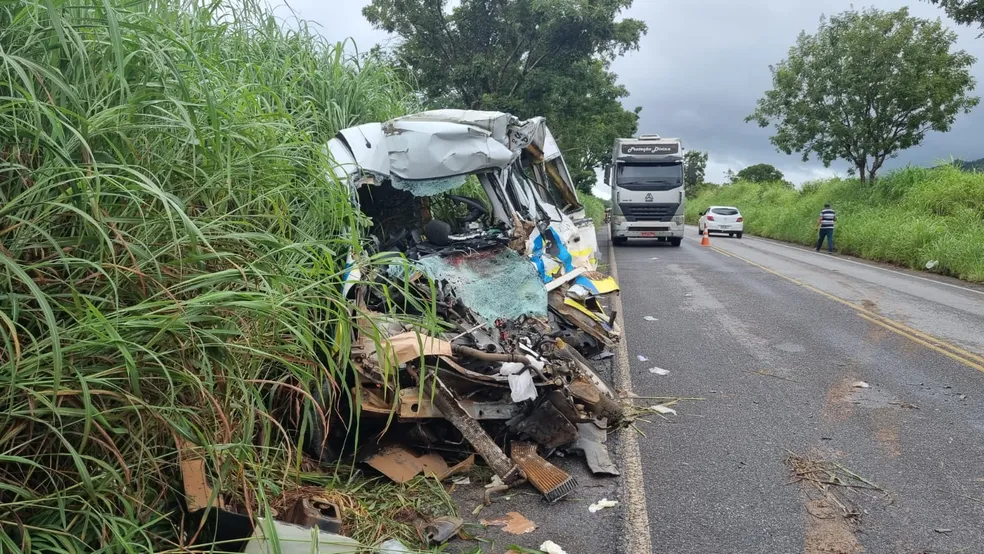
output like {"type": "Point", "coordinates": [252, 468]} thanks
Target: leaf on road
{"type": "Point", "coordinates": [513, 523]}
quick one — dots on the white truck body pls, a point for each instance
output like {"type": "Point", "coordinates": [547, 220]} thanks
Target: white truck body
{"type": "Point", "coordinates": [647, 180]}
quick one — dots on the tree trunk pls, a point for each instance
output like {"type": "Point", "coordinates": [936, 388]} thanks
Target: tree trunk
{"type": "Point", "coordinates": [862, 172]}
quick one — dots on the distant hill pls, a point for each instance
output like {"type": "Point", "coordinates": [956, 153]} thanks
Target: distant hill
{"type": "Point", "coordinates": [976, 165]}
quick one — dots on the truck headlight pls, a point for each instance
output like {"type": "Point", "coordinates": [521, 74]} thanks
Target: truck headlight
{"type": "Point", "coordinates": [679, 219]}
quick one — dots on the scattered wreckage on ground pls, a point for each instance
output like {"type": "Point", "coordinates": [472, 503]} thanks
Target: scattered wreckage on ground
{"type": "Point", "coordinates": [507, 280]}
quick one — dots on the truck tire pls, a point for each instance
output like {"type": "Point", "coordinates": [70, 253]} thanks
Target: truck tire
{"type": "Point", "coordinates": [739, 234]}
{"type": "Point", "coordinates": [619, 241]}
{"type": "Point", "coordinates": [675, 241]}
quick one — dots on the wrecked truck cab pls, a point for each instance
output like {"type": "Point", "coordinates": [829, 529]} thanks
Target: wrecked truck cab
{"type": "Point", "coordinates": [477, 208]}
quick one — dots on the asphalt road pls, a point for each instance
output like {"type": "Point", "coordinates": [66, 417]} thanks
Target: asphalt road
{"type": "Point", "coordinates": [774, 339]}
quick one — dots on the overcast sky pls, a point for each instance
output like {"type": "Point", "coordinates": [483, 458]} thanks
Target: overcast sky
{"type": "Point", "coordinates": [704, 63]}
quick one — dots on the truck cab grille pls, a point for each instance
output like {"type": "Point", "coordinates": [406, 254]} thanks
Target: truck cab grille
{"type": "Point", "coordinates": [649, 211]}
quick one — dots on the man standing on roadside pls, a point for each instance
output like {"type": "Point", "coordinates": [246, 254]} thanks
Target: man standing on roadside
{"type": "Point", "coordinates": [826, 221]}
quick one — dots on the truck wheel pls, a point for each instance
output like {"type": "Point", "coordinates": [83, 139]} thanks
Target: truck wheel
{"type": "Point", "coordinates": [732, 235]}
{"type": "Point", "coordinates": [739, 235]}
{"type": "Point", "coordinates": [619, 241]}
{"type": "Point", "coordinates": [675, 241]}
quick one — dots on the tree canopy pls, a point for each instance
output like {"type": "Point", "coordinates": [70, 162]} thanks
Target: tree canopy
{"type": "Point", "coordinates": [760, 173]}
{"type": "Point", "coordinates": [695, 162]}
{"type": "Point", "coordinates": [867, 85]}
{"type": "Point", "coordinates": [525, 57]}
{"type": "Point", "coordinates": [965, 12]}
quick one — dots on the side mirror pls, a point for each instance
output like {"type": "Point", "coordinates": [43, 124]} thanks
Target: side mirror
{"type": "Point", "coordinates": [608, 176]}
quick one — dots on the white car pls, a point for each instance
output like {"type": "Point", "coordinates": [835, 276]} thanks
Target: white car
{"type": "Point", "coordinates": [721, 219]}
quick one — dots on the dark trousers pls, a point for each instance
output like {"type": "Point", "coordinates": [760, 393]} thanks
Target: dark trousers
{"type": "Point", "coordinates": [829, 235]}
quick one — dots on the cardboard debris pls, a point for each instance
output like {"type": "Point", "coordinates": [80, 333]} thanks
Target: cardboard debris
{"type": "Point", "coordinates": [513, 523]}
{"type": "Point", "coordinates": [198, 492]}
{"type": "Point", "coordinates": [401, 465]}
{"type": "Point", "coordinates": [410, 346]}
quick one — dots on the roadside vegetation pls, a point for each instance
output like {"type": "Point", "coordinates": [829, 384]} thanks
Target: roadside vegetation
{"type": "Point", "coordinates": [594, 207]}
{"type": "Point", "coordinates": [172, 247]}
{"type": "Point", "coordinates": [918, 218]}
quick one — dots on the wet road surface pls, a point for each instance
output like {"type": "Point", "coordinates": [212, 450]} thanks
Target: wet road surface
{"type": "Point", "coordinates": [775, 339]}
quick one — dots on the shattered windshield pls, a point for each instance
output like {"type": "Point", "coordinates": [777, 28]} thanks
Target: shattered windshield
{"type": "Point", "coordinates": [429, 187]}
{"type": "Point", "coordinates": [495, 285]}
{"type": "Point", "coordinates": [662, 176]}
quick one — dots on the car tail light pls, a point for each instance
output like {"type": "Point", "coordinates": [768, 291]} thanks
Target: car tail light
{"type": "Point", "coordinates": [710, 218]}
{"type": "Point", "coordinates": [740, 220]}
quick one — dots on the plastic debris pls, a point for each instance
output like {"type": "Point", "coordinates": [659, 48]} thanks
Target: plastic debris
{"type": "Point", "coordinates": [861, 385]}
{"type": "Point", "coordinates": [931, 264]}
{"type": "Point", "coordinates": [642, 358]}
{"type": "Point", "coordinates": [393, 546]}
{"type": "Point", "coordinates": [688, 295]}
{"type": "Point", "coordinates": [661, 409]}
{"type": "Point", "coordinates": [650, 318]}
{"type": "Point", "coordinates": [495, 482]}
{"type": "Point", "coordinates": [520, 382]}
{"type": "Point", "coordinates": [461, 481]}
{"type": "Point", "coordinates": [550, 547]}
{"type": "Point", "coordinates": [602, 504]}
{"type": "Point", "coordinates": [659, 371]}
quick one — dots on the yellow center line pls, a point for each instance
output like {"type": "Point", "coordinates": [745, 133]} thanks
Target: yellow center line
{"type": "Point", "coordinates": [952, 351]}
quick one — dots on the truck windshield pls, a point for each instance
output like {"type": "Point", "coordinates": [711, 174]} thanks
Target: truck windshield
{"type": "Point", "coordinates": [649, 176]}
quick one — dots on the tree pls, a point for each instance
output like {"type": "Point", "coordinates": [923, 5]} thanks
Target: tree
{"type": "Point", "coordinates": [695, 162]}
{"type": "Point", "coordinates": [866, 86]}
{"type": "Point", "coordinates": [760, 173]}
{"type": "Point", "coordinates": [965, 12]}
{"type": "Point", "coordinates": [525, 57]}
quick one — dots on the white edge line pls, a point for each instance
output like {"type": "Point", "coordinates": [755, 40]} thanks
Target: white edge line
{"type": "Point", "coordinates": [636, 537]}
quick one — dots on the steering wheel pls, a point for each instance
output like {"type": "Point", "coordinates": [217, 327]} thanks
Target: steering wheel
{"type": "Point", "coordinates": [477, 211]}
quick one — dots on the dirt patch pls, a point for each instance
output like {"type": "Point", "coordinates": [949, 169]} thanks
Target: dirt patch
{"type": "Point", "coordinates": [869, 305]}
{"type": "Point", "coordinates": [827, 531]}
{"type": "Point", "coordinates": [837, 406]}
{"type": "Point", "coordinates": [888, 430]}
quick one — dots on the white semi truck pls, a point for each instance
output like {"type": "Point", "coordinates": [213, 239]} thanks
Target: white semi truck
{"type": "Point", "coordinates": [647, 177]}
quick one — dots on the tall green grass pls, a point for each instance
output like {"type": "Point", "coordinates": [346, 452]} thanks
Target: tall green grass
{"type": "Point", "coordinates": [908, 217]}
{"type": "Point", "coordinates": [594, 207]}
{"type": "Point", "coordinates": [172, 246]}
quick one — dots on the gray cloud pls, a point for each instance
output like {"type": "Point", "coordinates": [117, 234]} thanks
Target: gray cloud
{"type": "Point", "coordinates": [703, 65]}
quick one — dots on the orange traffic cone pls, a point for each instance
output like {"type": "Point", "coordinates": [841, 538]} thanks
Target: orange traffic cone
{"type": "Point", "coordinates": [706, 240]}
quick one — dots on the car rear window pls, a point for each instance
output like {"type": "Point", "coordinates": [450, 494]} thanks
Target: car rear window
{"type": "Point", "coordinates": [724, 211]}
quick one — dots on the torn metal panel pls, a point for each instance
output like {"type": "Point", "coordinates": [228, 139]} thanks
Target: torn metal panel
{"type": "Point", "coordinates": [546, 426]}
{"type": "Point", "coordinates": [432, 149]}
{"type": "Point", "coordinates": [366, 144]}
{"type": "Point", "coordinates": [592, 323]}
{"type": "Point", "coordinates": [591, 443]}
{"type": "Point", "coordinates": [413, 405]}
{"type": "Point", "coordinates": [549, 479]}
